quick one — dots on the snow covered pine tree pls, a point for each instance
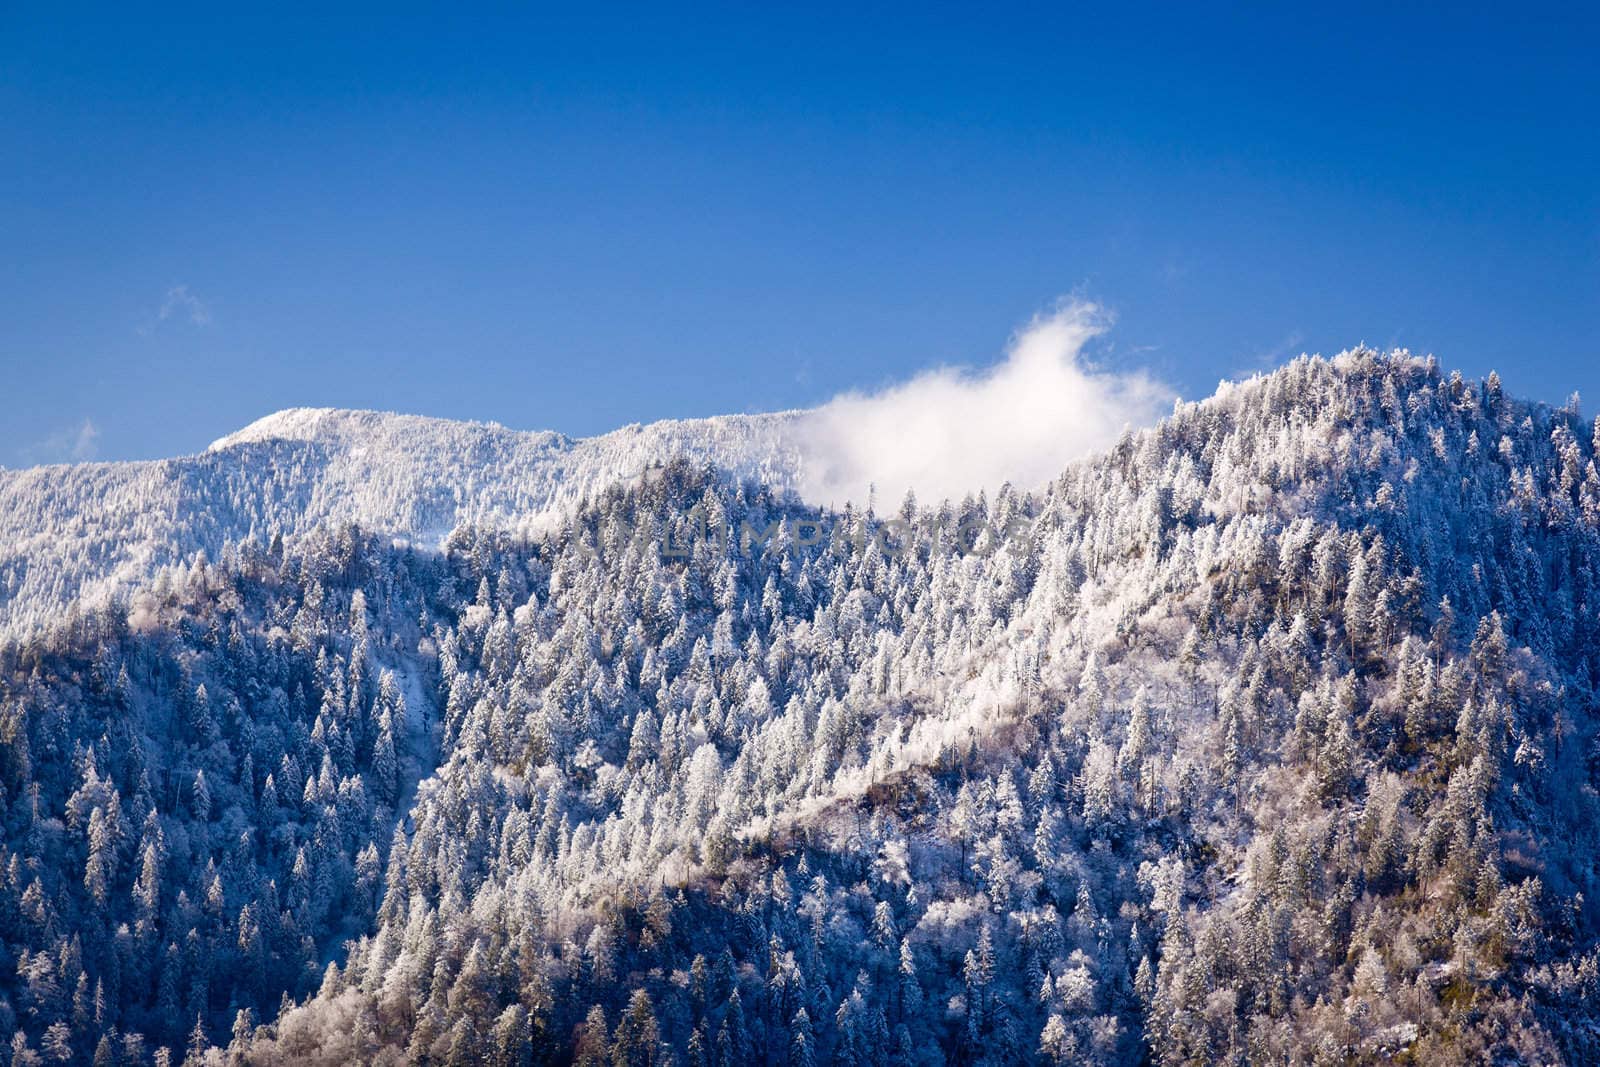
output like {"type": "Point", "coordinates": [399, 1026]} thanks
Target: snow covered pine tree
{"type": "Point", "coordinates": [1268, 736]}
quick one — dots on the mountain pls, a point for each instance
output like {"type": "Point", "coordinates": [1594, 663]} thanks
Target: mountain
{"type": "Point", "coordinates": [91, 530]}
{"type": "Point", "coordinates": [1267, 736]}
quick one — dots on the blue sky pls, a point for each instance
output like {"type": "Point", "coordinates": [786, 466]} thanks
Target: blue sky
{"type": "Point", "coordinates": [575, 222]}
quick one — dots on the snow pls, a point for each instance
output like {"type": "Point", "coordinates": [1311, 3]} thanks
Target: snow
{"type": "Point", "coordinates": [1283, 704]}
{"type": "Point", "coordinates": [93, 530]}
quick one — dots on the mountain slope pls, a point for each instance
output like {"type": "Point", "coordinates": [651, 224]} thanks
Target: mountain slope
{"type": "Point", "coordinates": [92, 529]}
{"type": "Point", "coordinates": [1267, 736]}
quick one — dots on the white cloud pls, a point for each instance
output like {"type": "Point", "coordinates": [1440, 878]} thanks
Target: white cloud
{"type": "Point", "coordinates": [180, 305]}
{"type": "Point", "coordinates": [949, 431]}
{"type": "Point", "coordinates": [72, 444]}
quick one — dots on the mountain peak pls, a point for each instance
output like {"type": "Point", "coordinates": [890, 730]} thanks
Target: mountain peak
{"type": "Point", "coordinates": [338, 424]}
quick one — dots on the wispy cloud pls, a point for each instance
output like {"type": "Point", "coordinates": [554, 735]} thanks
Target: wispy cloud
{"type": "Point", "coordinates": [72, 444]}
{"type": "Point", "coordinates": [947, 432]}
{"type": "Point", "coordinates": [180, 305]}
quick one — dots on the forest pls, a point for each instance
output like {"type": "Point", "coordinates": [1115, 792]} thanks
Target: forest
{"type": "Point", "coordinates": [1267, 736]}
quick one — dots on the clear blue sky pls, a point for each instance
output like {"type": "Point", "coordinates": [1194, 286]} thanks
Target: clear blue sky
{"type": "Point", "coordinates": [574, 222]}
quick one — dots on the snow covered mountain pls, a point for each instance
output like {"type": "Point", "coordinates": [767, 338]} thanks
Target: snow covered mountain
{"type": "Point", "coordinates": [1267, 736]}
{"type": "Point", "coordinates": [88, 530]}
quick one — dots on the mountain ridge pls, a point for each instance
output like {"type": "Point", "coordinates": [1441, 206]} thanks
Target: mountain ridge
{"type": "Point", "coordinates": [1267, 734]}
{"type": "Point", "coordinates": [101, 527]}
{"type": "Point", "coordinates": [95, 529]}
{"type": "Point", "coordinates": [320, 423]}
